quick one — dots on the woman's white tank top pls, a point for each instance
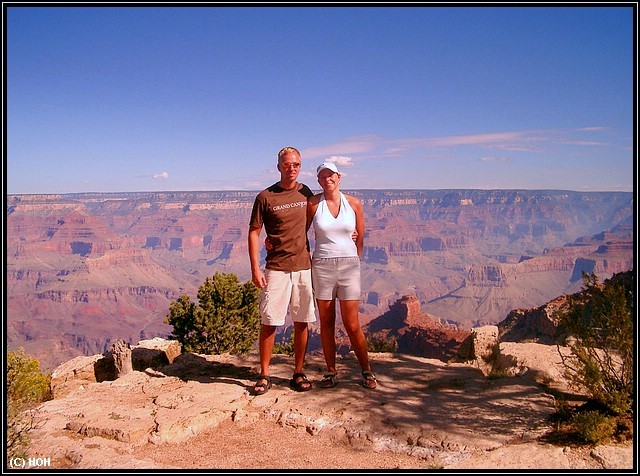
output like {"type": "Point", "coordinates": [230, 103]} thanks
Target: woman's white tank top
{"type": "Point", "coordinates": [333, 235]}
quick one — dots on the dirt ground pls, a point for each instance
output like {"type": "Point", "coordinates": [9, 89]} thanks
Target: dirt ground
{"type": "Point", "coordinates": [268, 445]}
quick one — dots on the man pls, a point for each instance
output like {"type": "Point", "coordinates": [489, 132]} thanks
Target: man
{"type": "Point", "coordinates": [286, 281]}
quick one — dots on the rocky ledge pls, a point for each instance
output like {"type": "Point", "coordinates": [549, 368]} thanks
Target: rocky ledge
{"type": "Point", "coordinates": [446, 415]}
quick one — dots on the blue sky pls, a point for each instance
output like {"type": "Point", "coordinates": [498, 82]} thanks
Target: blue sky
{"type": "Point", "coordinates": [148, 98]}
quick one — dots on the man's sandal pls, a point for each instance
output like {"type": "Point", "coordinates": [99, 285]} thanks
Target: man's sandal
{"type": "Point", "coordinates": [369, 379]}
{"type": "Point", "coordinates": [300, 382]}
{"type": "Point", "coordinates": [329, 380]}
{"type": "Point", "coordinates": [262, 388]}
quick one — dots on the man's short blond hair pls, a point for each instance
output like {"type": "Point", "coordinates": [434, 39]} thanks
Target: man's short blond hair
{"type": "Point", "coordinates": [287, 150]}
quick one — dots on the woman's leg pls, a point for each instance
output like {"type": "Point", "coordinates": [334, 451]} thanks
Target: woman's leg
{"type": "Point", "coordinates": [327, 313]}
{"type": "Point", "coordinates": [351, 321]}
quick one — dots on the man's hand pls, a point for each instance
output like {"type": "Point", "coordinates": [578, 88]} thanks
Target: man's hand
{"type": "Point", "coordinates": [258, 278]}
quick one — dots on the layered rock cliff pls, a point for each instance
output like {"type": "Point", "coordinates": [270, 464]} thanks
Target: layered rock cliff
{"type": "Point", "coordinates": [85, 269]}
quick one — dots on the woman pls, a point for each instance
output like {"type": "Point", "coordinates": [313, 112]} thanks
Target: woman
{"type": "Point", "coordinates": [335, 269]}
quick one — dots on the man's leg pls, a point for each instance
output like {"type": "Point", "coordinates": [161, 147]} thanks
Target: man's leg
{"type": "Point", "coordinates": [302, 313]}
{"type": "Point", "coordinates": [267, 336]}
{"type": "Point", "coordinates": [300, 340]}
{"type": "Point", "coordinates": [302, 310]}
{"type": "Point", "coordinates": [274, 299]}
{"type": "Point", "coordinates": [266, 341]}
{"type": "Point", "coordinates": [299, 381]}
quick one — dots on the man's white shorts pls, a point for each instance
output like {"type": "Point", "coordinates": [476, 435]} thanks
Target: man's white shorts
{"type": "Point", "coordinates": [287, 290]}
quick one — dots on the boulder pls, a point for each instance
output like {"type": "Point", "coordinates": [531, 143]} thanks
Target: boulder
{"type": "Point", "coordinates": [83, 370]}
{"type": "Point", "coordinates": [155, 353]}
{"type": "Point", "coordinates": [481, 348]}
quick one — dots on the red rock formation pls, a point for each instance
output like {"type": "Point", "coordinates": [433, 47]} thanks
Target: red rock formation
{"type": "Point", "coordinates": [415, 332]}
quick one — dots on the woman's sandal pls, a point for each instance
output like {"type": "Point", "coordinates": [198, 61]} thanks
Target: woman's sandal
{"type": "Point", "coordinates": [300, 382]}
{"type": "Point", "coordinates": [329, 380]}
{"type": "Point", "coordinates": [262, 388]}
{"type": "Point", "coordinates": [369, 379]}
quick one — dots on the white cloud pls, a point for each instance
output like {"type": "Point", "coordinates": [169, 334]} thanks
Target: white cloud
{"type": "Point", "coordinates": [350, 150]}
{"type": "Point", "coordinates": [353, 145]}
{"type": "Point", "coordinates": [161, 176]}
{"type": "Point", "coordinates": [341, 160]}
{"type": "Point", "coordinates": [593, 128]}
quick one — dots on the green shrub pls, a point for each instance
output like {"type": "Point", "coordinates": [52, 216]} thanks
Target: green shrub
{"type": "Point", "coordinates": [226, 318]}
{"type": "Point", "coordinates": [27, 386]}
{"type": "Point", "coordinates": [382, 345]}
{"type": "Point", "coordinates": [594, 427]}
{"type": "Point", "coordinates": [285, 347]}
{"type": "Point", "coordinates": [599, 322]}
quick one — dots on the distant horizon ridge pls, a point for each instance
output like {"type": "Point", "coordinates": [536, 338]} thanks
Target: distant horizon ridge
{"type": "Point", "coordinates": [346, 189]}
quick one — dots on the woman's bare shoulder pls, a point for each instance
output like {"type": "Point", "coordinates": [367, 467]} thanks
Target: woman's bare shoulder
{"type": "Point", "coordinates": [353, 201]}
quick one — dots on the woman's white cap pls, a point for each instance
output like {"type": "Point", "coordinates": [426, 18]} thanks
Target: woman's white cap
{"type": "Point", "coordinates": [327, 165]}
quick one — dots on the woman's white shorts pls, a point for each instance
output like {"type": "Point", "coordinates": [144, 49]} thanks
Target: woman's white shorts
{"type": "Point", "coordinates": [336, 278]}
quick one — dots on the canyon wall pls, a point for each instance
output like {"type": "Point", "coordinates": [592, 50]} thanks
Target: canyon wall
{"type": "Point", "coordinates": [84, 270]}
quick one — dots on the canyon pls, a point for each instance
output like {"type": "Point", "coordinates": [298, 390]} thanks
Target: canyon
{"type": "Point", "coordinates": [86, 269]}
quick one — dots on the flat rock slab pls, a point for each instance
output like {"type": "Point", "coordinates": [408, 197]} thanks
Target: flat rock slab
{"type": "Point", "coordinates": [447, 413]}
